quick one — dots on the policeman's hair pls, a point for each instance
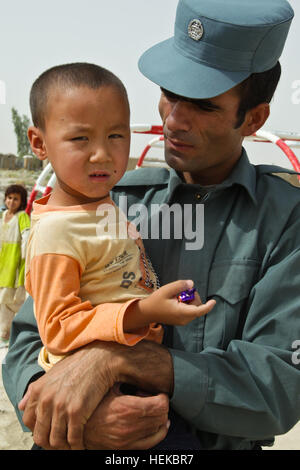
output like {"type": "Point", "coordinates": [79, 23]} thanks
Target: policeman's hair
{"type": "Point", "coordinates": [66, 76]}
{"type": "Point", "coordinates": [256, 89]}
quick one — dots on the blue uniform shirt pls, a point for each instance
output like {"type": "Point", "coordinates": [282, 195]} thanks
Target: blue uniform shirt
{"type": "Point", "coordinates": [237, 376]}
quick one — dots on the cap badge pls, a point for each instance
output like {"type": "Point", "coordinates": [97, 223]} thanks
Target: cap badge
{"type": "Point", "coordinates": [195, 30]}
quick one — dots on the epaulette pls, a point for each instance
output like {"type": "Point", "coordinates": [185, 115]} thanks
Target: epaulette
{"type": "Point", "coordinates": [286, 174]}
{"type": "Point", "coordinates": [145, 177]}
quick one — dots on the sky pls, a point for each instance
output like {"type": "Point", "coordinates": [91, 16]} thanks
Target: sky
{"type": "Point", "coordinates": [38, 34]}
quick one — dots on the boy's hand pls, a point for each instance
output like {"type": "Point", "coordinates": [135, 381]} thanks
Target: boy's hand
{"type": "Point", "coordinates": [163, 307]}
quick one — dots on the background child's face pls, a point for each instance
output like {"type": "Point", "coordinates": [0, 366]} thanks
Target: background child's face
{"type": "Point", "coordinates": [87, 141]}
{"type": "Point", "coordinates": [13, 202]}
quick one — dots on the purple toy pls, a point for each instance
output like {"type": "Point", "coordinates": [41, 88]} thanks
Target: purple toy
{"type": "Point", "coordinates": [186, 295]}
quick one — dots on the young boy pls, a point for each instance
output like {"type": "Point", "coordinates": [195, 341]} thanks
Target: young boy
{"type": "Point", "coordinates": [74, 274]}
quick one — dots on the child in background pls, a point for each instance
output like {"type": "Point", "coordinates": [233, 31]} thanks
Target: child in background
{"type": "Point", "coordinates": [15, 225]}
{"type": "Point", "coordinates": [89, 286]}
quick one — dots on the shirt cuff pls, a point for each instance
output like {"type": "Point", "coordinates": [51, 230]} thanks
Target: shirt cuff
{"type": "Point", "coordinates": [129, 339]}
{"type": "Point", "coordinates": [190, 383]}
{"type": "Point", "coordinates": [23, 383]}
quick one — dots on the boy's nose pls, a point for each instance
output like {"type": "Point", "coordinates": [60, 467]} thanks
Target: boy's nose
{"type": "Point", "coordinates": [99, 155]}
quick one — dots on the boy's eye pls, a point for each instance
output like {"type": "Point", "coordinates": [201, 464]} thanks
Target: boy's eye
{"type": "Point", "coordinates": [115, 136]}
{"type": "Point", "coordinates": [81, 137]}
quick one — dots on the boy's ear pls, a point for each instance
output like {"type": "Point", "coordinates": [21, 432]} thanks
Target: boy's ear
{"type": "Point", "coordinates": [255, 119]}
{"type": "Point", "coordinates": [37, 142]}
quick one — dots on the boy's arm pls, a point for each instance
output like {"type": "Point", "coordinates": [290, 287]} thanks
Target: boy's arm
{"type": "Point", "coordinates": [21, 368]}
{"type": "Point", "coordinates": [65, 321]}
{"type": "Point", "coordinates": [162, 306]}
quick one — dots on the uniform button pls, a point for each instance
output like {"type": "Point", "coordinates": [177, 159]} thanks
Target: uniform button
{"type": "Point", "coordinates": [201, 196]}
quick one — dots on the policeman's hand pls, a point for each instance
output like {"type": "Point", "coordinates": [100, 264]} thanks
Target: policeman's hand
{"type": "Point", "coordinates": [127, 422]}
{"type": "Point", "coordinates": [58, 405]}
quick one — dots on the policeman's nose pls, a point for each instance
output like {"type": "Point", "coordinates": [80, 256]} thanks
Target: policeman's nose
{"type": "Point", "coordinates": [178, 116]}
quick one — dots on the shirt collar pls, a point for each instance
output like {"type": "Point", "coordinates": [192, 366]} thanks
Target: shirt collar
{"type": "Point", "coordinates": [243, 174]}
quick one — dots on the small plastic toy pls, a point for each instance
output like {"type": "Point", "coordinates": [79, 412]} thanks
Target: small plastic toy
{"type": "Point", "coordinates": [186, 295]}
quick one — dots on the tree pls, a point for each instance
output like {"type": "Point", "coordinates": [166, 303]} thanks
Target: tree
{"type": "Point", "coordinates": [21, 125]}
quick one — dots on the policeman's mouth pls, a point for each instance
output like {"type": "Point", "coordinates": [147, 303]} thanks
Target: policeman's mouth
{"type": "Point", "coordinates": [177, 145]}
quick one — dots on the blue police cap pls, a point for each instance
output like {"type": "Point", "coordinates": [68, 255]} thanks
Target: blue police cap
{"type": "Point", "coordinates": [218, 44]}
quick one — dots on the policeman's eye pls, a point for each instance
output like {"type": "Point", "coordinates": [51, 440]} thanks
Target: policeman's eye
{"type": "Point", "coordinates": [170, 96]}
{"type": "Point", "coordinates": [202, 104]}
{"type": "Point", "coordinates": [205, 105]}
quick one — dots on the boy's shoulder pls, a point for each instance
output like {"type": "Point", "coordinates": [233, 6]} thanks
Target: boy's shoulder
{"type": "Point", "coordinates": [57, 232]}
{"type": "Point", "coordinates": [50, 225]}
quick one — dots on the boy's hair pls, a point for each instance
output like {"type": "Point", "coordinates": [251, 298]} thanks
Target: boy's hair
{"type": "Point", "coordinates": [66, 76]}
{"type": "Point", "coordinates": [17, 189]}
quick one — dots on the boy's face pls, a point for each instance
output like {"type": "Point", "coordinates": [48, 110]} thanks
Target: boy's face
{"type": "Point", "coordinates": [87, 140]}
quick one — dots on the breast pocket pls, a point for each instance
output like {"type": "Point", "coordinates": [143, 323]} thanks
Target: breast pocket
{"type": "Point", "coordinates": [230, 285]}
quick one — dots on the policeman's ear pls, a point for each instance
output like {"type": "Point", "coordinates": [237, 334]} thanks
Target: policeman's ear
{"type": "Point", "coordinates": [255, 119]}
{"type": "Point", "coordinates": [37, 142]}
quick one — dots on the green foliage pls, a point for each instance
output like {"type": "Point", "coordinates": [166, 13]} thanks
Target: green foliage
{"type": "Point", "coordinates": [21, 125]}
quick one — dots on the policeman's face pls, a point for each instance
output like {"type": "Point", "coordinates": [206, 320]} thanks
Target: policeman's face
{"type": "Point", "coordinates": [201, 140]}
